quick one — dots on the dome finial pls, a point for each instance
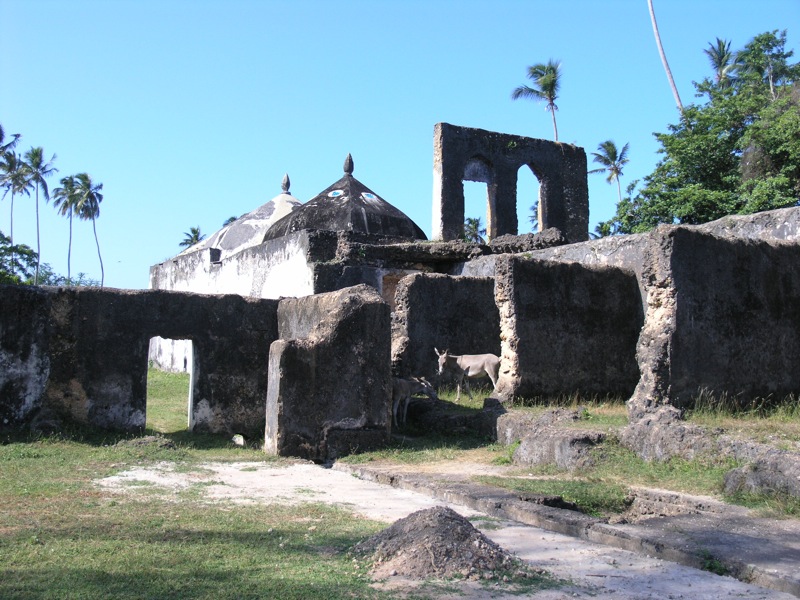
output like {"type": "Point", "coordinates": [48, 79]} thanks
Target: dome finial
{"type": "Point", "coordinates": [348, 164]}
{"type": "Point", "coordinates": [285, 183]}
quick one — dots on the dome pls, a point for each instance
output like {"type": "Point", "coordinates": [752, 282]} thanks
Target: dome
{"type": "Point", "coordinates": [249, 229]}
{"type": "Point", "coordinates": [348, 205]}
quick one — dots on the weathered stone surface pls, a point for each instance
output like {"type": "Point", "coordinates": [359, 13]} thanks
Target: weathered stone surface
{"type": "Point", "coordinates": [566, 328]}
{"type": "Point", "coordinates": [723, 317]}
{"type": "Point", "coordinates": [661, 434]}
{"type": "Point", "coordinates": [565, 448]}
{"type": "Point", "coordinates": [85, 358]}
{"type": "Point", "coordinates": [24, 352]}
{"type": "Point", "coordinates": [776, 473]}
{"type": "Point", "coordinates": [463, 153]}
{"type": "Point", "coordinates": [439, 311]}
{"type": "Point", "coordinates": [329, 389]}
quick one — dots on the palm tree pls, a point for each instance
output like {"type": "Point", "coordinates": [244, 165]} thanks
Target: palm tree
{"type": "Point", "coordinates": [612, 161]}
{"type": "Point", "coordinates": [12, 179]}
{"type": "Point", "coordinates": [723, 61]}
{"type": "Point", "coordinates": [664, 57]}
{"type": "Point", "coordinates": [533, 218]}
{"type": "Point", "coordinates": [473, 232]}
{"type": "Point", "coordinates": [88, 199]}
{"type": "Point", "coordinates": [6, 146]}
{"type": "Point", "coordinates": [65, 201]}
{"type": "Point", "coordinates": [37, 170]}
{"type": "Point", "coordinates": [546, 81]}
{"type": "Point", "coordinates": [193, 236]}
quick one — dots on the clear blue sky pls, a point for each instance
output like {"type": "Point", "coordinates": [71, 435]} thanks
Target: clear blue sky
{"type": "Point", "coordinates": [191, 111]}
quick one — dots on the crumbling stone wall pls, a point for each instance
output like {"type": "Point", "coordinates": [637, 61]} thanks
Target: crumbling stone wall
{"type": "Point", "coordinates": [463, 153]}
{"type": "Point", "coordinates": [80, 354]}
{"type": "Point", "coordinates": [329, 389]}
{"type": "Point", "coordinates": [566, 328]}
{"type": "Point", "coordinates": [723, 315]}
{"type": "Point", "coordinates": [440, 311]}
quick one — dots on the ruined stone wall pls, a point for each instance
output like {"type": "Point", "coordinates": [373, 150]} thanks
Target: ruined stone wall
{"type": "Point", "coordinates": [329, 375]}
{"type": "Point", "coordinates": [566, 328]}
{"type": "Point", "coordinates": [463, 153]}
{"type": "Point", "coordinates": [723, 316]}
{"type": "Point", "coordinates": [439, 311]}
{"type": "Point", "coordinates": [81, 355]}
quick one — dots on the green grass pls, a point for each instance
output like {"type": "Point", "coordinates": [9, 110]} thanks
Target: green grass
{"type": "Point", "coordinates": [167, 401]}
{"type": "Point", "coordinates": [63, 537]}
{"type": "Point", "coordinates": [592, 496]}
{"type": "Point", "coordinates": [761, 420]}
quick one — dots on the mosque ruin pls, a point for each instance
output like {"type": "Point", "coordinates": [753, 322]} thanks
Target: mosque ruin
{"type": "Point", "coordinates": [299, 314]}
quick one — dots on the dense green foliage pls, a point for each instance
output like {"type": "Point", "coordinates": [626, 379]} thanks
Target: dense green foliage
{"type": "Point", "coordinates": [736, 153]}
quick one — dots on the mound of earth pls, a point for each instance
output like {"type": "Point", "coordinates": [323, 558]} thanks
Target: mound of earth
{"type": "Point", "coordinates": [157, 441]}
{"type": "Point", "coordinates": [437, 543]}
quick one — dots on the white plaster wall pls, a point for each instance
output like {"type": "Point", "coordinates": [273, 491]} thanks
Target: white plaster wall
{"type": "Point", "coordinates": [255, 272]}
{"type": "Point", "coordinates": [174, 356]}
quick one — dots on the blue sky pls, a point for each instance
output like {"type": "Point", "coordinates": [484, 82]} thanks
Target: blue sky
{"type": "Point", "coordinates": [191, 111]}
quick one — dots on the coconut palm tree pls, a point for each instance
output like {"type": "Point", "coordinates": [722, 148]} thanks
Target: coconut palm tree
{"type": "Point", "coordinates": [37, 170]}
{"type": "Point", "coordinates": [12, 179]}
{"type": "Point", "coordinates": [193, 236]}
{"type": "Point", "coordinates": [723, 61]}
{"type": "Point", "coordinates": [66, 202]}
{"type": "Point", "coordinates": [612, 162]}
{"type": "Point", "coordinates": [88, 199]}
{"type": "Point", "coordinates": [546, 80]}
{"type": "Point", "coordinates": [473, 232]}
{"type": "Point", "coordinates": [664, 57]}
{"type": "Point", "coordinates": [4, 145]}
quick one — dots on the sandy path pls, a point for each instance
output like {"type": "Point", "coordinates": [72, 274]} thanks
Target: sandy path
{"type": "Point", "coordinates": [595, 571]}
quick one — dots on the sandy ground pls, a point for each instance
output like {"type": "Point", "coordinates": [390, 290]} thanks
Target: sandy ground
{"type": "Point", "coordinates": [594, 571]}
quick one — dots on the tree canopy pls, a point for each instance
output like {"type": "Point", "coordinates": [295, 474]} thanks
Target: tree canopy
{"type": "Point", "coordinates": [736, 153]}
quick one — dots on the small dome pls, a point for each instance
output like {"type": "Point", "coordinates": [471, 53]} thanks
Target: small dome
{"type": "Point", "coordinates": [249, 229]}
{"type": "Point", "coordinates": [348, 205]}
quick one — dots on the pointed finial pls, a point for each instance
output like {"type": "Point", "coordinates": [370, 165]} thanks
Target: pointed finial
{"type": "Point", "coordinates": [285, 183]}
{"type": "Point", "coordinates": [348, 164]}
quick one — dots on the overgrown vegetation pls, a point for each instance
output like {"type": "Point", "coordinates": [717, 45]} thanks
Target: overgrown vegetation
{"type": "Point", "coordinates": [736, 153]}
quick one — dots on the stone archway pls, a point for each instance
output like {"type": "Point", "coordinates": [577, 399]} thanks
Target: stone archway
{"type": "Point", "coordinates": [462, 153]}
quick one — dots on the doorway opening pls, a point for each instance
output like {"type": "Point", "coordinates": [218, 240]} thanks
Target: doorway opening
{"type": "Point", "coordinates": [170, 371]}
{"type": "Point", "coordinates": [476, 206]}
{"type": "Point", "coordinates": [529, 215]}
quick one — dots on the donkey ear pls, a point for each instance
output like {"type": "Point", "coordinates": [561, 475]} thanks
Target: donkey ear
{"type": "Point", "coordinates": [435, 349]}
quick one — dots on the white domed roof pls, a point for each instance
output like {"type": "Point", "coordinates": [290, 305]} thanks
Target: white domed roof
{"type": "Point", "coordinates": [249, 229]}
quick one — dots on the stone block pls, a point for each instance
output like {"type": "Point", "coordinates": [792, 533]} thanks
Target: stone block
{"type": "Point", "coordinates": [566, 328]}
{"type": "Point", "coordinates": [329, 390]}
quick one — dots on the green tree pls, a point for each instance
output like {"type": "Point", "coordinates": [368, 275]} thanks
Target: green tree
{"type": "Point", "coordinates": [17, 263]}
{"type": "Point", "coordinates": [737, 153]}
{"type": "Point", "coordinates": [12, 179]}
{"type": "Point", "coordinates": [723, 61]}
{"type": "Point", "coordinates": [533, 218]}
{"type": "Point", "coordinates": [6, 146]}
{"type": "Point", "coordinates": [546, 78]}
{"type": "Point", "coordinates": [37, 170]}
{"type": "Point", "coordinates": [228, 221]}
{"type": "Point", "coordinates": [612, 161]}
{"type": "Point", "coordinates": [192, 237]}
{"type": "Point", "coordinates": [664, 56]}
{"type": "Point", "coordinates": [66, 202]}
{"type": "Point", "coordinates": [88, 199]}
{"type": "Point", "coordinates": [473, 232]}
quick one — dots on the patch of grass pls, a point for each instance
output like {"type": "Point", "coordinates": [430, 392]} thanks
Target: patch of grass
{"type": "Point", "coordinates": [700, 476]}
{"type": "Point", "coordinates": [761, 420]}
{"type": "Point", "coordinates": [432, 448]}
{"type": "Point", "coordinates": [167, 401]}
{"type": "Point", "coordinates": [594, 497]}
{"type": "Point", "coordinates": [775, 505]}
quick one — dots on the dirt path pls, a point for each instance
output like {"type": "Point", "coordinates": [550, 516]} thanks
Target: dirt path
{"type": "Point", "coordinates": [594, 571]}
